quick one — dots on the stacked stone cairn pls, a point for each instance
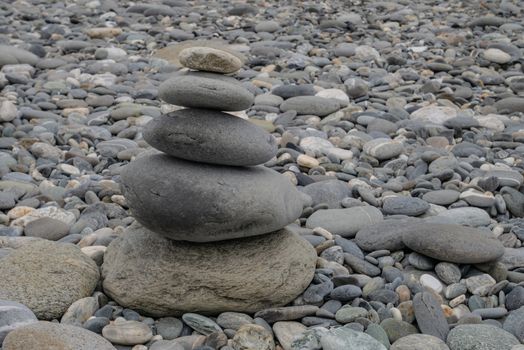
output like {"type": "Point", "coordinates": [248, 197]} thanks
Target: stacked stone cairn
{"type": "Point", "coordinates": [210, 234]}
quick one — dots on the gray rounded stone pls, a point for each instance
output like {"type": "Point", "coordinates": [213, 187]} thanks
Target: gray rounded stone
{"type": "Point", "coordinates": [514, 323]}
{"type": "Point", "coordinates": [378, 333]}
{"type": "Point", "coordinates": [14, 55]}
{"type": "Point", "coordinates": [198, 202]}
{"type": "Point", "coordinates": [480, 337]}
{"type": "Point", "coordinates": [386, 234]}
{"type": "Point", "coordinates": [210, 137]}
{"type": "Point", "coordinates": [169, 327]}
{"type": "Point", "coordinates": [452, 243]}
{"type": "Point", "coordinates": [209, 59]}
{"type": "Point", "coordinates": [201, 324]}
{"type": "Point", "coordinates": [396, 329]}
{"type": "Point", "coordinates": [12, 316]}
{"type": "Point", "coordinates": [419, 342]}
{"type": "Point", "coordinates": [47, 277]}
{"type": "Point", "coordinates": [345, 222]}
{"type": "Point", "coordinates": [330, 192]}
{"type": "Point", "coordinates": [441, 197]}
{"type": "Point", "coordinates": [126, 332]}
{"type": "Point", "coordinates": [429, 315]}
{"type": "Point", "coordinates": [267, 26]}
{"type": "Point", "coordinates": [233, 320]}
{"type": "Point", "coordinates": [468, 216]}
{"type": "Point", "coordinates": [47, 228]}
{"type": "Point", "coordinates": [314, 105]}
{"type": "Point", "coordinates": [346, 338]}
{"type": "Point", "coordinates": [48, 335]}
{"type": "Point", "coordinates": [510, 105]}
{"type": "Point", "coordinates": [383, 148]}
{"type": "Point", "coordinates": [405, 206]}
{"type": "Point", "coordinates": [252, 336]}
{"type": "Point", "coordinates": [449, 273]}
{"type": "Point", "coordinates": [205, 90]}
{"type": "Point", "coordinates": [348, 314]}
{"type": "Point", "coordinates": [141, 273]}
{"type": "Point", "coordinates": [515, 298]}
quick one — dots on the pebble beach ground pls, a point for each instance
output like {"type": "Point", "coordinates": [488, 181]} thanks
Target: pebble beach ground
{"type": "Point", "coordinates": [399, 123]}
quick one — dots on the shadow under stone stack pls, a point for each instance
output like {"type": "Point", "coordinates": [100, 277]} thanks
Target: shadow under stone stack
{"type": "Point", "coordinates": [209, 235]}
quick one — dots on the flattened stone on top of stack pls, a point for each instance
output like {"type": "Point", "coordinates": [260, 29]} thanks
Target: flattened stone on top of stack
{"type": "Point", "coordinates": [209, 235]}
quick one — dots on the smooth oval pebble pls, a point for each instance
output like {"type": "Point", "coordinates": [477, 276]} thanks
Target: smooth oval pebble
{"type": "Point", "coordinates": [201, 324]}
{"type": "Point", "coordinates": [209, 59]}
{"type": "Point", "coordinates": [211, 137]}
{"type": "Point", "coordinates": [127, 332]}
{"type": "Point", "coordinates": [480, 337]}
{"type": "Point", "coordinates": [310, 105]}
{"type": "Point", "coordinates": [419, 342]}
{"type": "Point", "coordinates": [205, 90]}
{"type": "Point", "coordinates": [12, 316]}
{"type": "Point", "coordinates": [49, 335]}
{"type": "Point", "coordinates": [345, 222]}
{"type": "Point", "coordinates": [252, 336]}
{"type": "Point", "coordinates": [385, 234]}
{"type": "Point", "coordinates": [452, 243]}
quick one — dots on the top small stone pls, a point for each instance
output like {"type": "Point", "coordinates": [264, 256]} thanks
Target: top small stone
{"type": "Point", "coordinates": [210, 60]}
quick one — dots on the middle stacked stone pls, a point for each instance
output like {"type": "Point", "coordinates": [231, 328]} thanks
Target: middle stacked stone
{"type": "Point", "coordinates": [207, 186]}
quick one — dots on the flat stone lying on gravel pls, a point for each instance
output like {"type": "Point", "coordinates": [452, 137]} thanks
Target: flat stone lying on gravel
{"type": "Point", "coordinates": [224, 281]}
{"type": "Point", "coordinates": [252, 336]}
{"type": "Point", "coordinates": [405, 206]}
{"type": "Point", "coordinates": [155, 185]}
{"type": "Point", "coordinates": [467, 216]}
{"type": "Point", "coordinates": [346, 338]}
{"type": "Point", "coordinates": [452, 243]}
{"type": "Point", "coordinates": [313, 105]}
{"type": "Point", "coordinates": [169, 327]}
{"type": "Point", "coordinates": [287, 331]}
{"type": "Point", "coordinates": [348, 314]}
{"type": "Point", "coordinates": [345, 222]}
{"type": "Point", "coordinates": [127, 332]}
{"type": "Point", "coordinates": [383, 148]}
{"type": "Point", "coordinates": [209, 59]}
{"type": "Point", "coordinates": [287, 313]}
{"type": "Point", "coordinates": [480, 337]}
{"type": "Point", "coordinates": [14, 55]}
{"type": "Point", "coordinates": [441, 197]}
{"type": "Point", "coordinates": [12, 316]}
{"type": "Point", "coordinates": [397, 329]}
{"type": "Point", "coordinates": [47, 228]}
{"type": "Point", "coordinates": [47, 277]}
{"type": "Point", "coordinates": [48, 335]}
{"type": "Point", "coordinates": [515, 298]}
{"type": "Point", "coordinates": [449, 273]}
{"type": "Point", "coordinates": [510, 105]}
{"type": "Point", "coordinates": [385, 234]}
{"type": "Point", "coordinates": [206, 90]}
{"type": "Point", "coordinates": [497, 56]}
{"type": "Point", "coordinates": [210, 137]}
{"type": "Point", "coordinates": [419, 342]}
{"type": "Point", "coordinates": [429, 315]}
{"type": "Point", "coordinates": [514, 323]}
{"type": "Point", "coordinates": [233, 320]}
{"type": "Point", "coordinates": [330, 192]}
{"type": "Point", "coordinates": [434, 114]}
{"type": "Point", "coordinates": [201, 324]}
{"type": "Point", "coordinates": [80, 311]}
